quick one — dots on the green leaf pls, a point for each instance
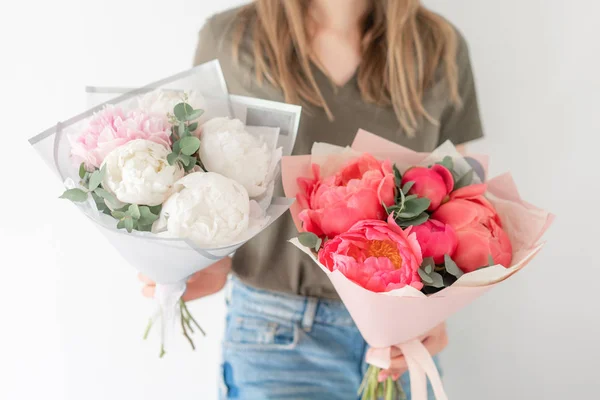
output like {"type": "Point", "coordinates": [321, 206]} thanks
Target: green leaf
{"type": "Point", "coordinates": [109, 198]}
{"type": "Point", "coordinates": [195, 115]}
{"type": "Point", "coordinates": [437, 280]}
{"type": "Point", "coordinates": [414, 207]}
{"type": "Point", "coordinates": [128, 224]}
{"type": "Point", "coordinates": [424, 277]}
{"type": "Point", "coordinates": [181, 128]}
{"type": "Point", "coordinates": [118, 214]}
{"type": "Point", "coordinates": [182, 111]}
{"type": "Point", "coordinates": [176, 147]}
{"type": "Point", "coordinates": [82, 170]}
{"type": "Point", "coordinates": [451, 267]}
{"type": "Point", "coordinates": [447, 162]}
{"type": "Point", "coordinates": [192, 127]}
{"type": "Point", "coordinates": [491, 261]}
{"type": "Point", "coordinates": [189, 145]}
{"type": "Point", "coordinates": [428, 269]}
{"type": "Point", "coordinates": [410, 197]}
{"type": "Point", "coordinates": [465, 180]}
{"type": "Point", "coordinates": [407, 186]}
{"type": "Point", "coordinates": [146, 216]}
{"type": "Point", "coordinates": [144, 227]}
{"type": "Point", "coordinates": [75, 195]}
{"type": "Point", "coordinates": [420, 219]}
{"type": "Point", "coordinates": [172, 158]}
{"type": "Point", "coordinates": [155, 209]}
{"type": "Point", "coordinates": [96, 178]}
{"type": "Point", "coordinates": [318, 245]}
{"type": "Point", "coordinates": [134, 211]}
{"type": "Point", "coordinates": [121, 224]}
{"type": "Point", "coordinates": [308, 239]}
{"type": "Point", "coordinates": [397, 176]}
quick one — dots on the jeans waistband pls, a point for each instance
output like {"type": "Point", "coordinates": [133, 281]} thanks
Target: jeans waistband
{"type": "Point", "coordinates": [287, 307]}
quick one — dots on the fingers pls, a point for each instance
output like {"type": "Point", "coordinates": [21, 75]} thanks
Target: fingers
{"type": "Point", "coordinates": [148, 291]}
{"type": "Point", "coordinates": [146, 280]}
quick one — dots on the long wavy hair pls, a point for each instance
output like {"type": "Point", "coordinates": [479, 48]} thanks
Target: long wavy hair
{"type": "Point", "coordinates": [404, 47]}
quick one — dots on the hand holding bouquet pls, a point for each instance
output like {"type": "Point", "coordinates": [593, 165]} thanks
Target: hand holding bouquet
{"type": "Point", "coordinates": [407, 239]}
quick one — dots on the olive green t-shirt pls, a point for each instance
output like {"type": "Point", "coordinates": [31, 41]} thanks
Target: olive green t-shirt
{"type": "Point", "coordinates": [268, 261]}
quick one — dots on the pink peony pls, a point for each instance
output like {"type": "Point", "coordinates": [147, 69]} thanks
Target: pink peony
{"type": "Point", "coordinates": [434, 183]}
{"type": "Point", "coordinates": [332, 205]}
{"type": "Point", "coordinates": [112, 127]}
{"type": "Point", "coordinates": [478, 229]}
{"type": "Point", "coordinates": [436, 240]}
{"type": "Point", "coordinates": [377, 255]}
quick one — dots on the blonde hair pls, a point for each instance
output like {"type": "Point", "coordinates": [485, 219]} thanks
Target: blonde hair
{"type": "Point", "coordinates": [403, 48]}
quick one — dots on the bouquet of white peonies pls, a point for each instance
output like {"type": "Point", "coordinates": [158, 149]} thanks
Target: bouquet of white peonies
{"type": "Point", "coordinates": [164, 173]}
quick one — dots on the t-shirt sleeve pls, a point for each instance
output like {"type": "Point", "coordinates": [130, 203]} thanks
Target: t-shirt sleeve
{"type": "Point", "coordinates": [462, 124]}
{"type": "Point", "coordinates": [207, 48]}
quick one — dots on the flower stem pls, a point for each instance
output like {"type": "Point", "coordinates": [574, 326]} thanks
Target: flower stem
{"type": "Point", "coordinates": [148, 327]}
{"type": "Point", "coordinates": [185, 333]}
{"type": "Point", "coordinates": [372, 389]}
{"type": "Point", "coordinates": [189, 316]}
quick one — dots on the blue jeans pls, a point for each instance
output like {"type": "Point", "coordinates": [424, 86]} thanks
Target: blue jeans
{"type": "Point", "coordinates": [279, 346]}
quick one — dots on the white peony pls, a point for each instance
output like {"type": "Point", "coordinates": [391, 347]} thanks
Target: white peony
{"type": "Point", "coordinates": [228, 149]}
{"type": "Point", "coordinates": [207, 208]}
{"type": "Point", "coordinates": [161, 102]}
{"type": "Point", "coordinates": [138, 173]}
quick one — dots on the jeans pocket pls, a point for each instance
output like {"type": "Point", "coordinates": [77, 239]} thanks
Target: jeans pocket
{"type": "Point", "coordinates": [256, 333]}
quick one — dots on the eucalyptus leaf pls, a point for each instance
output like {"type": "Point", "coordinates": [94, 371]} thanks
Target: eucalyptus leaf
{"type": "Point", "coordinates": [447, 162]}
{"type": "Point", "coordinates": [420, 219]}
{"type": "Point", "coordinates": [134, 211]}
{"type": "Point", "coordinates": [465, 180]}
{"type": "Point", "coordinates": [181, 128]}
{"type": "Point", "coordinates": [195, 115]}
{"type": "Point", "coordinates": [121, 224]}
{"type": "Point", "coordinates": [397, 176]}
{"type": "Point", "coordinates": [75, 195]}
{"type": "Point", "coordinates": [308, 239]}
{"type": "Point", "coordinates": [414, 207]}
{"type": "Point", "coordinates": [318, 245]}
{"type": "Point", "coordinates": [193, 126]}
{"type": "Point", "coordinates": [172, 158]}
{"type": "Point", "coordinates": [185, 160]}
{"type": "Point", "coordinates": [437, 280]}
{"type": "Point", "coordinates": [428, 269]}
{"type": "Point", "coordinates": [182, 111]}
{"type": "Point", "coordinates": [128, 222]}
{"type": "Point", "coordinates": [424, 277]}
{"type": "Point", "coordinates": [82, 170]}
{"type": "Point", "coordinates": [451, 267]}
{"type": "Point", "coordinates": [96, 178]}
{"type": "Point", "coordinates": [491, 260]}
{"type": "Point", "coordinates": [176, 147]}
{"type": "Point", "coordinates": [155, 209]}
{"type": "Point", "coordinates": [118, 214]}
{"type": "Point", "coordinates": [189, 145]}
{"type": "Point", "coordinates": [407, 186]}
{"type": "Point", "coordinates": [110, 199]}
{"type": "Point", "coordinates": [144, 227]}
{"type": "Point", "coordinates": [411, 196]}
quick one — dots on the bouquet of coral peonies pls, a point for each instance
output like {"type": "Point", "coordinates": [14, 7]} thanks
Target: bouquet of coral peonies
{"type": "Point", "coordinates": [413, 236]}
{"type": "Point", "coordinates": [164, 173]}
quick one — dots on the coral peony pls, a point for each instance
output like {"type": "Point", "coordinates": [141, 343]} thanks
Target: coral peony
{"type": "Point", "coordinates": [436, 240]}
{"type": "Point", "coordinates": [434, 183]}
{"type": "Point", "coordinates": [333, 204]}
{"type": "Point", "coordinates": [478, 229]}
{"type": "Point", "coordinates": [377, 255]}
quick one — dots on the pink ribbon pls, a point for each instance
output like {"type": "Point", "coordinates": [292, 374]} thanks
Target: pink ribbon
{"type": "Point", "coordinates": [420, 367]}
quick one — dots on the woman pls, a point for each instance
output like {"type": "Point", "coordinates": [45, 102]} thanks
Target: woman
{"type": "Point", "coordinates": [391, 67]}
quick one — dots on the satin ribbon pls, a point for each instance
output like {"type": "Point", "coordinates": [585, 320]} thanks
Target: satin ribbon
{"type": "Point", "coordinates": [167, 298]}
{"type": "Point", "coordinates": [420, 367]}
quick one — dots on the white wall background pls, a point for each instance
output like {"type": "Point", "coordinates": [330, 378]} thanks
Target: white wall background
{"type": "Point", "coordinates": [72, 316]}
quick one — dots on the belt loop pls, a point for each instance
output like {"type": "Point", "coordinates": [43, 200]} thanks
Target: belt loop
{"type": "Point", "coordinates": [310, 310]}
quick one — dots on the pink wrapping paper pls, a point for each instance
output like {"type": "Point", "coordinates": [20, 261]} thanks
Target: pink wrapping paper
{"type": "Point", "coordinates": [401, 317]}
